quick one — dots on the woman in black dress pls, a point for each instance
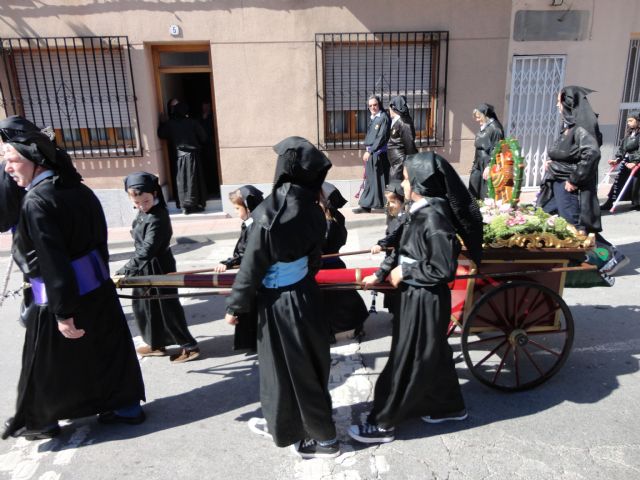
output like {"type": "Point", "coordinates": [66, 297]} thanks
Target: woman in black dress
{"type": "Point", "coordinates": [490, 133]}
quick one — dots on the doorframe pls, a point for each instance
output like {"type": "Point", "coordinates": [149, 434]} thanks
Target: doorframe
{"type": "Point", "coordinates": [156, 50]}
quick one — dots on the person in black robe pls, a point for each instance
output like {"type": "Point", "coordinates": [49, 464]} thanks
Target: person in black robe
{"type": "Point", "coordinates": [626, 159]}
{"type": "Point", "coordinates": [419, 378]}
{"type": "Point", "coordinates": [345, 310]}
{"type": "Point", "coordinates": [490, 133]}
{"type": "Point", "coordinates": [277, 271]}
{"type": "Point", "coordinates": [188, 137]}
{"type": "Point", "coordinates": [209, 163]}
{"type": "Point", "coordinates": [244, 200]}
{"type": "Point", "coordinates": [570, 184]}
{"type": "Point", "coordinates": [171, 149]}
{"type": "Point", "coordinates": [402, 139]}
{"type": "Point", "coordinates": [376, 167]}
{"type": "Point", "coordinates": [391, 241]}
{"type": "Point", "coordinates": [78, 357]}
{"type": "Point", "coordinates": [161, 322]}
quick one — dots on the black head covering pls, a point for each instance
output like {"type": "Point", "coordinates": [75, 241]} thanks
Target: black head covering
{"type": "Point", "coordinates": [15, 125]}
{"type": "Point", "coordinates": [399, 105]}
{"type": "Point", "coordinates": [576, 110]}
{"type": "Point", "coordinates": [489, 111]}
{"type": "Point", "coordinates": [252, 197]}
{"type": "Point", "coordinates": [39, 148]}
{"type": "Point", "coordinates": [301, 163]}
{"type": "Point", "coordinates": [634, 114]}
{"type": "Point", "coordinates": [395, 188]}
{"type": "Point", "coordinates": [181, 110]}
{"type": "Point", "coordinates": [333, 196]}
{"type": "Point", "coordinates": [10, 198]}
{"type": "Point", "coordinates": [430, 175]}
{"type": "Point", "coordinates": [146, 183]}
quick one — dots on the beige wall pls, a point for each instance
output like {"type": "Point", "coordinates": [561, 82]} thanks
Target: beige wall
{"type": "Point", "coordinates": [263, 60]}
{"type": "Point", "coordinates": [598, 62]}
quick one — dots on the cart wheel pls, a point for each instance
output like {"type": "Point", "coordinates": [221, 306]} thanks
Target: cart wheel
{"type": "Point", "coordinates": [517, 336]}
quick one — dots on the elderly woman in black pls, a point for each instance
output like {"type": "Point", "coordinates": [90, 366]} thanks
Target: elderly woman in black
{"type": "Point", "coordinates": [490, 133]}
{"type": "Point", "coordinates": [627, 158]}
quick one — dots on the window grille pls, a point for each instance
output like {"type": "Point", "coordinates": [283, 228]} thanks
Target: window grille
{"type": "Point", "coordinates": [352, 66]}
{"type": "Point", "coordinates": [631, 90]}
{"type": "Point", "coordinates": [81, 86]}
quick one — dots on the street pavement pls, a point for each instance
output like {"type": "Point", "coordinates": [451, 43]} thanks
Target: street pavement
{"type": "Point", "coordinates": [581, 424]}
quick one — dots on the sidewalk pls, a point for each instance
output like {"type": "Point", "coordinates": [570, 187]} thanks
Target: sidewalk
{"type": "Point", "coordinates": [212, 226]}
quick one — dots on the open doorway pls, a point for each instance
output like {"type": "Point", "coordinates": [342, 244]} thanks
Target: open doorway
{"type": "Point", "coordinates": [183, 73]}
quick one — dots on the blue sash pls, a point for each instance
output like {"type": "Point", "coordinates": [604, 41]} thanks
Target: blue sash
{"type": "Point", "coordinates": [90, 270]}
{"type": "Point", "coordinates": [283, 274]}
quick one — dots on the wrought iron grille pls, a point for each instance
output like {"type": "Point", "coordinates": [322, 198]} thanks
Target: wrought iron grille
{"type": "Point", "coordinates": [350, 67]}
{"type": "Point", "coordinates": [81, 86]}
{"type": "Point", "coordinates": [533, 116]}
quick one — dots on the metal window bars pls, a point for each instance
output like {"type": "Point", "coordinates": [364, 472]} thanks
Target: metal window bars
{"type": "Point", "coordinates": [83, 87]}
{"type": "Point", "coordinates": [352, 66]}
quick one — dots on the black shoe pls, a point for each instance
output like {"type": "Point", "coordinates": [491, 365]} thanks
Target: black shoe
{"type": "Point", "coordinates": [368, 433]}
{"type": "Point", "coordinates": [446, 417]}
{"type": "Point", "coordinates": [310, 448]}
{"type": "Point", "coordinates": [111, 418]}
{"type": "Point", "coordinates": [606, 206]}
{"type": "Point", "coordinates": [361, 210]}
{"type": "Point", "coordinates": [40, 434]}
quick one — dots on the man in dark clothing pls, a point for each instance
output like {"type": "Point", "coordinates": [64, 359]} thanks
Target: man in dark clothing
{"type": "Point", "coordinates": [376, 168]}
{"type": "Point", "coordinates": [277, 271]}
{"type": "Point", "coordinates": [78, 357]}
{"type": "Point", "coordinates": [402, 139]}
{"type": "Point", "coordinates": [188, 137]}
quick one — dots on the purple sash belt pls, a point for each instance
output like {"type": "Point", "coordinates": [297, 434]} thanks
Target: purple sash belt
{"type": "Point", "coordinates": [90, 270]}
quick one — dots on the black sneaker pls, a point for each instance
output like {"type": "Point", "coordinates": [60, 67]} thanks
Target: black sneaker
{"type": "Point", "coordinates": [310, 448]}
{"type": "Point", "coordinates": [446, 417]}
{"type": "Point", "coordinates": [368, 433]}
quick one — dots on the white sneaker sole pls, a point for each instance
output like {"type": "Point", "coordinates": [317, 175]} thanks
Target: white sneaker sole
{"type": "Point", "coordinates": [253, 426]}
{"type": "Point", "coordinates": [307, 456]}
{"type": "Point", "coordinates": [447, 419]}
{"type": "Point", "coordinates": [354, 433]}
{"type": "Point", "coordinates": [618, 266]}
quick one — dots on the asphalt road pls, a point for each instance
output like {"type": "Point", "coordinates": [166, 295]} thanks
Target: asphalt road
{"type": "Point", "coordinates": [581, 424]}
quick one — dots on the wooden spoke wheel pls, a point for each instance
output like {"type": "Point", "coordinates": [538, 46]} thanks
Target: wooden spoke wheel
{"type": "Point", "coordinates": [517, 336]}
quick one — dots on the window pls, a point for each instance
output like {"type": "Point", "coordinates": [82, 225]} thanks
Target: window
{"type": "Point", "coordinates": [631, 90]}
{"type": "Point", "coordinates": [80, 86]}
{"type": "Point", "coordinates": [353, 66]}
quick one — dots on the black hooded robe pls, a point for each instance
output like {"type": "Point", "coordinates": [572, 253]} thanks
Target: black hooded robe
{"type": "Point", "coordinates": [246, 332]}
{"type": "Point", "coordinates": [63, 378]}
{"type": "Point", "coordinates": [486, 140]}
{"type": "Point", "coordinates": [376, 170]}
{"type": "Point", "coordinates": [574, 157]}
{"type": "Point", "coordinates": [401, 144]}
{"type": "Point", "coordinates": [419, 377]}
{"type": "Point", "coordinates": [628, 152]}
{"type": "Point", "coordinates": [188, 137]}
{"type": "Point", "coordinates": [345, 310]}
{"type": "Point", "coordinates": [161, 322]}
{"type": "Point", "coordinates": [293, 338]}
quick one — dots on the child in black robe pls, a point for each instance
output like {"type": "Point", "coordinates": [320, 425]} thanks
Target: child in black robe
{"type": "Point", "coordinates": [395, 222]}
{"type": "Point", "coordinates": [419, 379]}
{"type": "Point", "coordinates": [245, 199]}
{"type": "Point", "coordinates": [277, 272]}
{"type": "Point", "coordinates": [345, 310]}
{"type": "Point", "coordinates": [161, 322]}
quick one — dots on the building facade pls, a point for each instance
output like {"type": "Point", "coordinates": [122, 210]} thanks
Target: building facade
{"type": "Point", "coordinates": [102, 72]}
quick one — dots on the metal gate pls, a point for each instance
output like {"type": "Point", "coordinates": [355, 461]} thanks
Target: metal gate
{"type": "Point", "coordinates": [533, 117]}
